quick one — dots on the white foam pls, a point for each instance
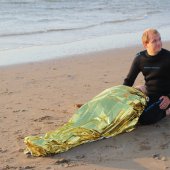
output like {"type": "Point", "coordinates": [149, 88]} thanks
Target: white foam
{"type": "Point", "coordinates": [44, 52]}
{"type": "Point", "coordinates": [37, 53]}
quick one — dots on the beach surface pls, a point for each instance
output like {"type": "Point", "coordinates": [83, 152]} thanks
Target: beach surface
{"type": "Point", "coordinates": [41, 96]}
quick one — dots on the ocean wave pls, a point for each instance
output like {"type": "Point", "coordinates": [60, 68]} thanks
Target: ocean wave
{"type": "Point", "coordinates": [43, 31]}
{"type": "Point", "coordinates": [17, 2]}
{"type": "Point", "coordinates": [123, 20]}
{"type": "Point", "coordinates": [69, 29]}
{"type": "Point", "coordinates": [153, 12]}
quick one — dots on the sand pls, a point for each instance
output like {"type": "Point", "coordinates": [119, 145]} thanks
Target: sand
{"type": "Point", "coordinates": [40, 97]}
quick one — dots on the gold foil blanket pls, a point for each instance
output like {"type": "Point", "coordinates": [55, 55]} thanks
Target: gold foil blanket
{"type": "Point", "coordinates": [113, 111]}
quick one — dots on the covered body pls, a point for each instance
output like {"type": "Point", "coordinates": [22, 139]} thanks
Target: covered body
{"type": "Point", "coordinates": [113, 111]}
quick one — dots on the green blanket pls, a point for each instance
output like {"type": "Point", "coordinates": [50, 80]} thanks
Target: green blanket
{"type": "Point", "coordinates": [113, 111]}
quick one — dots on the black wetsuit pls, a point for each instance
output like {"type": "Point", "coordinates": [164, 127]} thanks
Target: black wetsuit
{"type": "Point", "coordinates": [156, 71]}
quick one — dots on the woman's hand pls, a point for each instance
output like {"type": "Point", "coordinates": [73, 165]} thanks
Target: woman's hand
{"type": "Point", "coordinates": [165, 102]}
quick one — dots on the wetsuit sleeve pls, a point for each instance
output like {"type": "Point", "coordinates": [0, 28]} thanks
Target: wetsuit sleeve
{"type": "Point", "coordinates": [133, 72]}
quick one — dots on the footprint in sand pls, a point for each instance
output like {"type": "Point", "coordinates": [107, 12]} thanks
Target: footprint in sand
{"type": "Point", "coordinates": [43, 118]}
{"type": "Point", "coordinates": [65, 163]}
{"type": "Point", "coordinates": [20, 137]}
{"type": "Point", "coordinates": [3, 150]}
{"type": "Point", "coordinates": [144, 147]}
{"type": "Point", "coordinates": [165, 145]}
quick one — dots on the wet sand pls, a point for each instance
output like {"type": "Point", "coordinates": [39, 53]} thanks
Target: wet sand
{"type": "Point", "coordinates": [40, 97]}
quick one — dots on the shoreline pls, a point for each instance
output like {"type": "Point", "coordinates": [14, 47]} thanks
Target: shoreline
{"type": "Point", "coordinates": [45, 51]}
{"type": "Point", "coordinates": [93, 53]}
{"type": "Point", "coordinates": [40, 96]}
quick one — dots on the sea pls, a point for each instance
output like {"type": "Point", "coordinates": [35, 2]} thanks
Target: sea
{"type": "Point", "coordinates": [36, 30]}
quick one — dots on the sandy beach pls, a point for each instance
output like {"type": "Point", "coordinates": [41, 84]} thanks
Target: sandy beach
{"type": "Point", "coordinates": [40, 97]}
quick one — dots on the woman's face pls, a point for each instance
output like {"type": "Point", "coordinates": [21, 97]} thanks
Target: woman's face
{"type": "Point", "coordinates": [155, 44]}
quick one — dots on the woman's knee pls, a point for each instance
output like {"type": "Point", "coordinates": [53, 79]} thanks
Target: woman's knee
{"type": "Point", "coordinates": [142, 88]}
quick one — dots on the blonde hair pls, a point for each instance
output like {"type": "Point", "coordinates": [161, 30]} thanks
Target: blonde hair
{"type": "Point", "coordinates": [145, 36]}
